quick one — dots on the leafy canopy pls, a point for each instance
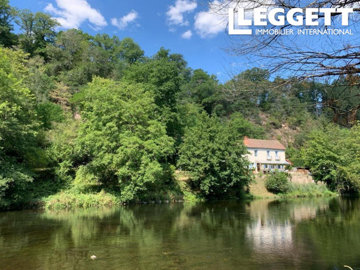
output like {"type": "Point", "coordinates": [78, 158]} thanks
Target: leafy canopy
{"type": "Point", "coordinates": [123, 144]}
{"type": "Point", "coordinates": [214, 156]}
{"type": "Point", "coordinates": [333, 156]}
{"type": "Point", "coordinates": [18, 127]}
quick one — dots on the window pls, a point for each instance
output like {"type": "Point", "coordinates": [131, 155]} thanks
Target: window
{"type": "Point", "coordinates": [265, 166]}
{"type": "Point", "coordinates": [276, 154]}
{"type": "Point", "coordinates": [255, 153]}
{"type": "Point", "coordinates": [268, 154]}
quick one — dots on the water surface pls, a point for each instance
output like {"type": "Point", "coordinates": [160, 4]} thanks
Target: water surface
{"type": "Point", "coordinates": [300, 234]}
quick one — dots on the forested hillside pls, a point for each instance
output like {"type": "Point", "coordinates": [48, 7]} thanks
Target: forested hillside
{"type": "Point", "coordinates": [89, 114]}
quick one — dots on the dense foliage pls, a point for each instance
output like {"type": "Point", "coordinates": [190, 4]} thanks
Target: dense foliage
{"type": "Point", "coordinates": [122, 144]}
{"type": "Point", "coordinates": [82, 114]}
{"type": "Point", "coordinates": [214, 156]}
{"type": "Point", "coordinates": [333, 156]}
{"type": "Point", "coordinates": [277, 182]}
{"type": "Point", "coordinates": [18, 128]}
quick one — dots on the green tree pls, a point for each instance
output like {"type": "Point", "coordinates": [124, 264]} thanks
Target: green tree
{"type": "Point", "coordinates": [333, 155]}
{"type": "Point", "coordinates": [38, 81]}
{"type": "Point", "coordinates": [214, 157]}
{"type": "Point", "coordinates": [202, 89]}
{"type": "Point", "coordinates": [7, 38]}
{"type": "Point", "coordinates": [123, 144]}
{"type": "Point", "coordinates": [76, 57]}
{"type": "Point", "coordinates": [247, 92]}
{"type": "Point", "coordinates": [18, 128]}
{"type": "Point", "coordinates": [351, 158]}
{"type": "Point", "coordinates": [105, 52]}
{"type": "Point", "coordinates": [341, 100]}
{"type": "Point", "coordinates": [112, 56]}
{"type": "Point", "coordinates": [163, 75]}
{"type": "Point", "coordinates": [68, 58]}
{"type": "Point", "coordinates": [242, 127]}
{"type": "Point", "coordinates": [38, 30]}
{"type": "Point", "coordinates": [130, 51]}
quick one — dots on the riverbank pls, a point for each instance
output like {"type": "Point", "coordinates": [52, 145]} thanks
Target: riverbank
{"type": "Point", "coordinates": [297, 190]}
{"type": "Point", "coordinates": [68, 200]}
{"type": "Point", "coordinates": [71, 200]}
{"type": "Point", "coordinates": [183, 193]}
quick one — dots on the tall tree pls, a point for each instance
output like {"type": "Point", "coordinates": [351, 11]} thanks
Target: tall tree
{"type": "Point", "coordinates": [7, 38]}
{"type": "Point", "coordinates": [18, 128]}
{"type": "Point", "coordinates": [130, 51]}
{"type": "Point", "coordinates": [122, 143]}
{"type": "Point", "coordinates": [38, 30]}
{"type": "Point", "coordinates": [202, 89]}
{"type": "Point", "coordinates": [163, 74]}
{"type": "Point", "coordinates": [213, 154]}
{"type": "Point", "coordinates": [342, 100]}
{"type": "Point", "coordinates": [246, 92]}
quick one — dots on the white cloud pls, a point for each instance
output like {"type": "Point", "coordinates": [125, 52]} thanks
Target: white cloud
{"type": "Point", "coordinates": [124, 21]}
{"type": "Point", "coordinates": [187, 34]}
{"type": "Point", "coordinates": [72, 13]}
{"type": "Point", "coordinates": [175, 13]}
{"type": "Point", "coordinates": [213, 21]}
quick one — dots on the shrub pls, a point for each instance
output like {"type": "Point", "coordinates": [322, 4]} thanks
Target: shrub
{"type": "Point", "coordinates": [277, 182]}
{"type": "Point", "coordinates": [69, 200]}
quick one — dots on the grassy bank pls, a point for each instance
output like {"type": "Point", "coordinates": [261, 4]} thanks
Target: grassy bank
{"type": "Point", "coordinates": [71, 200]}
{"type": "Point", "coordinates": [309, 190]}
{"type": "Point", "coordinates": [68, 200]}
{"type": "Point", "coordinates": [258, 189]}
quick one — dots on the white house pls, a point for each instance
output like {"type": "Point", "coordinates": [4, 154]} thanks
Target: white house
{"type": "Point", "coordinates": [265, 155]}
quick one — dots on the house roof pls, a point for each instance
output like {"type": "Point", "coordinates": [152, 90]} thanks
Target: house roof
{"type": "Point", "coordinates": [266, 144]}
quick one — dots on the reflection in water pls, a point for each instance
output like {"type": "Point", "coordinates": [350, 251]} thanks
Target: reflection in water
{"type": "Point", "coordinates": [271, 228]}
{"type": "Point", "coordinates": [302, 234]}
{"type": "Point", "coordinates": [270, 237]}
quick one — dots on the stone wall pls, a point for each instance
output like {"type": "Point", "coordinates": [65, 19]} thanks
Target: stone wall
{"type": "Point", "coordinates": [301, 176]}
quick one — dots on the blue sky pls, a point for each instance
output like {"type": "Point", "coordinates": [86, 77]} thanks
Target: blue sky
{"type": "Point", "coordinates": [183, 26]}
{"type": "Point", "coordinates": [188, 27]}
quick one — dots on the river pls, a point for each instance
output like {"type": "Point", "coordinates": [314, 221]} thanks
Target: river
{"type": "Point", "coordinates": [299, 234]}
